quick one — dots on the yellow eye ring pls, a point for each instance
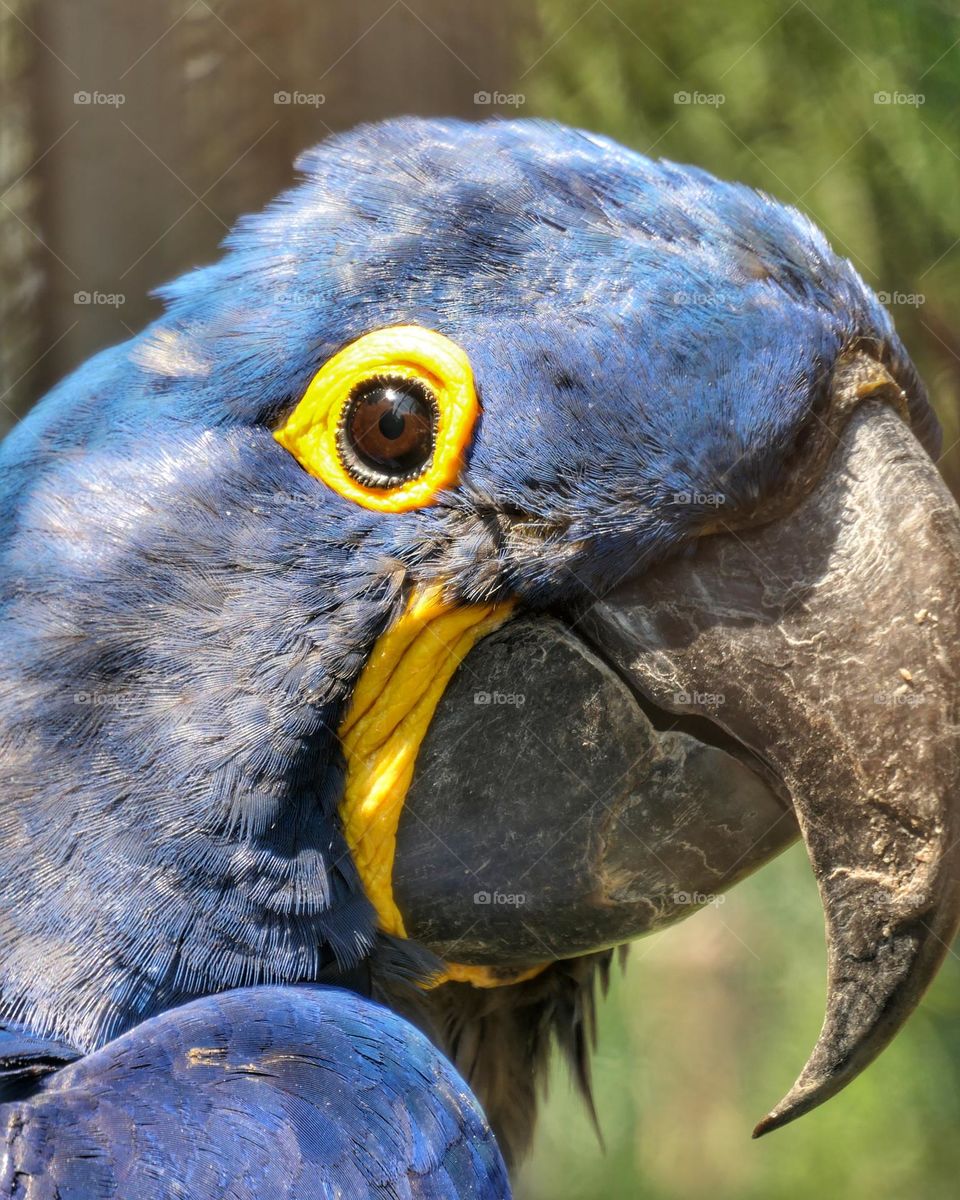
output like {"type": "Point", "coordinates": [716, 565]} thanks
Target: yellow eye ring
{"type": "Point", "coordinates": [419, 366]}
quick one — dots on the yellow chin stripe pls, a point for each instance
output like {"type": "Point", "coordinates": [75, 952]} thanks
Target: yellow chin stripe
{"type": "Point", "coordinates": [392, 707]}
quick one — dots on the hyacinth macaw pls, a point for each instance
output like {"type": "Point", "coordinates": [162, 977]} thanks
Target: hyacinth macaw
{"type": "Point", "coordinates": [506, 546]}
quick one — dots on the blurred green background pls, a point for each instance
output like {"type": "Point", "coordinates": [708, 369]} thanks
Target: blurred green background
{"type": "Point", "coordinates": [849, 111]}
{"type": "Point", "coordinates": [705, 1029]}
{"type": "Point", "coordinates": [712, 1020]}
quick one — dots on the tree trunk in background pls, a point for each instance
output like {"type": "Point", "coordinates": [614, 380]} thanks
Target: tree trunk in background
{"type": "Point", "coordinates": [145, 129]}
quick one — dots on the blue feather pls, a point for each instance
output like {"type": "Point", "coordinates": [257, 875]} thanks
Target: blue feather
{"type": "Point", "coordinates": [286, 1093]}
{"type": "Point", "coordinates": [183, 611]}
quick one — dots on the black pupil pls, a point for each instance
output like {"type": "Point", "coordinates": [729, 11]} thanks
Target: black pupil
{"type": "Point", "coordinates": [392, 424]}
{"type": "Point", "coordinates": [388, 430]}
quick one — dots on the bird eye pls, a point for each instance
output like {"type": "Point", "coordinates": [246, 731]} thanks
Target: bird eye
{"type": "Point", "coordinates": [388, 430]}
{"type": "Point", "coordinates": [386, 422]}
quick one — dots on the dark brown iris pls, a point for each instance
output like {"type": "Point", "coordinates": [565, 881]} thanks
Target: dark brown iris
{"type": "Point", "coordinates": [388, 429]}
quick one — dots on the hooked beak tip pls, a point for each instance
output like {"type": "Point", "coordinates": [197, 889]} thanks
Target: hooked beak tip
{"type": "Point", "coordinates": [776, 1119]}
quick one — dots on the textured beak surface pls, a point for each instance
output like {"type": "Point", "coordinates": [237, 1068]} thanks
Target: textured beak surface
{"type": "Point", "coordinates": [828, 643]}
{"type": "Point", "coordinates": [549, 817]}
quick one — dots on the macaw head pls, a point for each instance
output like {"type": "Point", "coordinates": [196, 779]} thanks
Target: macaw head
{"type": "Point", "coordinates": [508, 541]}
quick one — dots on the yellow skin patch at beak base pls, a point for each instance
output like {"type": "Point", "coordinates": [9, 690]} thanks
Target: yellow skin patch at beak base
{"type": "Point", "coordinates": [392, 707]}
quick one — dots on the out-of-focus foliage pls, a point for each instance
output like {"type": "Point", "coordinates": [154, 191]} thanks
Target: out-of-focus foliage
{"type": "Point", "coordinates": [706, 1029]}
{"type": "Point", "coordinates": [803, 117]}
{"type": "Point", "coordinates": [712, 1020]}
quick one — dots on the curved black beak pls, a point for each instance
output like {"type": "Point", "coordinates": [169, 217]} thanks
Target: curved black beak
{"type": "Point", "coordinates": [582, 785]}
{"type": "Point", "coordinates": [833, 636]}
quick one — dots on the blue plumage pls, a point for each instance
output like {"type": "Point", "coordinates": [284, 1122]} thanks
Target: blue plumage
{"type": "Point", "coordinates": [284, 1093]}
{"type": "Point", "coordinates": [184, 611]}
